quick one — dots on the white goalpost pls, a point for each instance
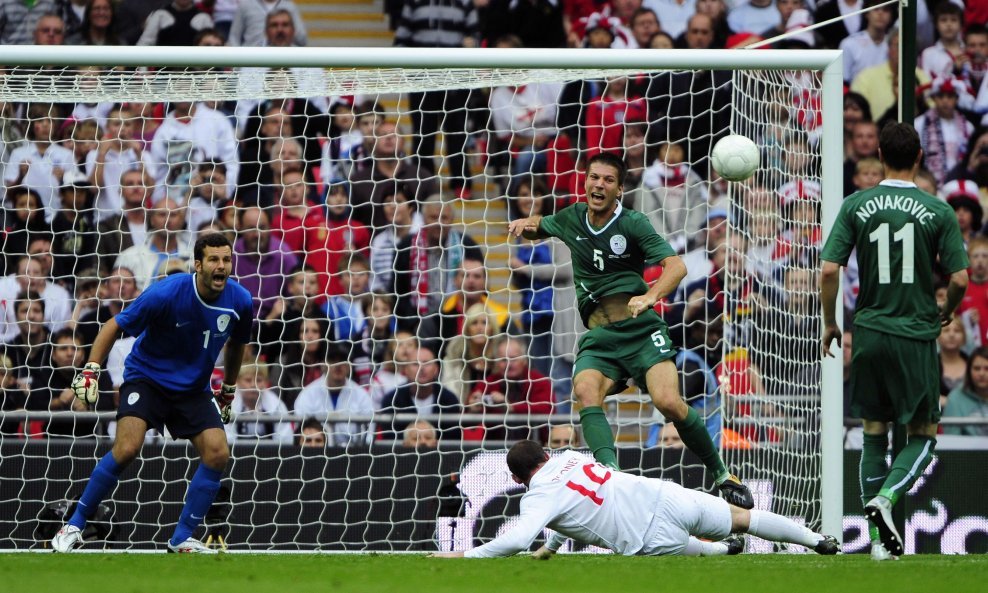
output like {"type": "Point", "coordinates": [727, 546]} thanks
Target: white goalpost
{"type": "Point", "coordinates": [747, 318]}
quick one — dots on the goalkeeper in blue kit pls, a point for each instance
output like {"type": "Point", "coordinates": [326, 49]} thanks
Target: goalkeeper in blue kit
{"type": "Point", "coordinates": [182, 323]}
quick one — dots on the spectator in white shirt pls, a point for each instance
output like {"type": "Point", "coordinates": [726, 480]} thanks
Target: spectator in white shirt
{"type": "Point", "coordinates": [868, 47]}
{"type": "Point", "coordinates": [40, 162]}
{"type": "Point", "coordinates": [943, 131]}
{"type": "Point", "coordinates": [336, 392]}
{"type": "Point", "coordinates": [255, 398]}
{"type": "Point", "coordinates": [191, 134]}
{"type": "Point", "coordinates": [524, 120]}
{"type": "Point", "coordinates": [249, 22]}
{"type": "Point", "coordinates": [166, 242]}
{"type": "Point", "coordinates": [673, 14]}
{"type": "Point", "coordinates": [754, 17]}
{"type": "Point", "coordinates": [31, 279]}
{"type": "Point", "coordinates": [118, 152]}
{"type": "Point", "coordinates": [940, 59]}
{"type": "Point", "coordinates": [973, 66]}
{"type": "Point", "coordinates": [400, 221]}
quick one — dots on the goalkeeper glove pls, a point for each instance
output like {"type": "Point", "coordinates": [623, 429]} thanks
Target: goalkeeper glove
{"type": "Point", "coordinates": [86, 383]}
{"type": "Point", "coordinates": [224, 397]}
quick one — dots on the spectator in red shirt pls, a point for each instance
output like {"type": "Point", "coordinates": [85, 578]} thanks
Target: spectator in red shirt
{"type": "Point", "coordinates": [294, 214]}
{"type": "Point", "coordinates": [513, 387]}
{"type": "Point", "coordinates": [974, 306]}
{"type": "Point", "coordinates": [339, 235]}
{"type": "Point", "coordinates": [608, 115]}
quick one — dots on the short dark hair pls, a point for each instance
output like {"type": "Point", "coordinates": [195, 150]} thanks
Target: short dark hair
{"type": "Point", "coordinates": [642, 11]}
{"type": "Point", "coordinates": [612, 160]}
{"type": "Point", "coordinates": [945, 8]}
{"type": "Point", "coordinates": [336, 353]}
{"type": "Point", "coordinates": [209, 240]}
{"type": "Point", "coordinates": [20, 190]}
{"type": "Point", "coordinates": [210, 32]}
{"type": "Point", "coordinates": [975, 29]}
{"type": "Point", "coordinates": [310, 423]}
{"type": "Point", "coordinates": [30, 297]}
{"type": "Point", "coordinates": [355, 259]}
{"type": "Point", "coordinates": [64, 334]}
{"type": "Point", "coordinates": [524, 457]}
{"type": "Point", "coordinates": [861, 102]}
{"type": "Point", "coordinates": [900, 146]}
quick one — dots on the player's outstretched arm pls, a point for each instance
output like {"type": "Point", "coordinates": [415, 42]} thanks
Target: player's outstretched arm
{"type": "Point", "coordinates": [829, 283]}
{"type": "Point", "coordinates": [527, 228]}
{"type": "Point", "coordinates": [446, 555]}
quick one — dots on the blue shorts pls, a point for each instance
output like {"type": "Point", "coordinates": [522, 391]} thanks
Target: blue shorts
{"type": "Point", "coordinates": [185, 414]}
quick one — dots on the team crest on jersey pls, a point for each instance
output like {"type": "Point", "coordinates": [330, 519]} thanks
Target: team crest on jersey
{"type": "Point", "coordinates": [222, 321]}
{"type": "Point", "coordinates": [618, 244]}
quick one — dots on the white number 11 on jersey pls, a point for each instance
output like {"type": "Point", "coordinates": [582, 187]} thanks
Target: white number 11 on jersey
{"type": "Point", "coordinates": [881, 236]}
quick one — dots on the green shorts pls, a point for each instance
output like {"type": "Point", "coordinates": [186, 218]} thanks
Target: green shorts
{"type": "Point", "coordinates": [626, 349]}
{"type": "Point", "coordinates": [894, 379]}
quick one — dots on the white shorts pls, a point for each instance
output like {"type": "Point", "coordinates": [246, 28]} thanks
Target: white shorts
{"type": "Point", "coordinates": [682, 513]}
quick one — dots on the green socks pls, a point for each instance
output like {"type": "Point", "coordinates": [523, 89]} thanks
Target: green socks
{"type": "Point", "coordinates": [872, 471]}
{"type": "Point", "coordinates": [597, 433]}
{"type": "Point", "coordinates": [908, 466]}
{"type": "Point", "coordinates": [697, 439]}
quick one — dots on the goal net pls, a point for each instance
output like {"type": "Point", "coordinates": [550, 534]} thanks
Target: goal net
{"type": "Point", "coordinates": [368, 206]}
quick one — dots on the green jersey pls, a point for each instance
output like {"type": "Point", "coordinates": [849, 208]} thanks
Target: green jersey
{"type": "Point", "coordinates": [607, 260]}
{"type": "Point", "coordinates": [899, 231]}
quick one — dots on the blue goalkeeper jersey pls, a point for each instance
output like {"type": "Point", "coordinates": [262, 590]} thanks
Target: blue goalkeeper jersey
{"type": "Point", "coordinates": [180, 336]}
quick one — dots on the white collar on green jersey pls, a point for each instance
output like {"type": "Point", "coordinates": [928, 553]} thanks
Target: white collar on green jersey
{"type": "Point", "coordinates": [897, 183]}
{"type": "Point", "coordinates": [617, 212]}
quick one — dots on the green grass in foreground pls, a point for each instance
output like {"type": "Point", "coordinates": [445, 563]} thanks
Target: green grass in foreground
{"type": "Point", "coordinates": [240, 573]}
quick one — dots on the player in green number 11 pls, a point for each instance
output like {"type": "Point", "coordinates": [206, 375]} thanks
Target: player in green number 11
{"type": "Point", "coordinates": [899, 231]}
{"type": "Point", "coordinates": [626, 337]}
{"type": "Point", "coordinates": [181, 324]}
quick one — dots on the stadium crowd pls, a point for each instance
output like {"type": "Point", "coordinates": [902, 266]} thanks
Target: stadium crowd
{"type": "Point", "coordinates": [369, 297]}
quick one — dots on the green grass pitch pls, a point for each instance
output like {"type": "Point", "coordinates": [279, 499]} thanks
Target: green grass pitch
{"type": "Point", "coordinates": [337, 573]}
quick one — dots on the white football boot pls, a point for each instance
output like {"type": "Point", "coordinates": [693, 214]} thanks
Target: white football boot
{"type": "Point", "coordinates": [67, 539]}
{"type": "Point", "coordinates": [190, 546]}
{"type": "Point", "coordinates": [879, 553]}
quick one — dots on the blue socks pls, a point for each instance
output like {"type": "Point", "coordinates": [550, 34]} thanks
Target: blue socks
{"type": "Point", "coordinates": [103, 480]}
{"type": "Point", "coordinates": [202, 491]}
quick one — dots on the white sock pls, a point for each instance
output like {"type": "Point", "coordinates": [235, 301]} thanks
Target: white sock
{"type": "Point", "coordinates": [695, 547]}
{"type": "Point", "coordinates": [777, 528]}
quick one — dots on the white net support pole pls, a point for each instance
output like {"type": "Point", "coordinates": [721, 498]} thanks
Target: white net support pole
{"type": "Point", "coordinates": [832, 414]}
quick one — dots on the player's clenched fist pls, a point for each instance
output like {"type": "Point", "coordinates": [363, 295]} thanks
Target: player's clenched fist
{"type": "Point", "coordinates": [639, 304]}
{"type": "Point", "coordinates": [86, 383]}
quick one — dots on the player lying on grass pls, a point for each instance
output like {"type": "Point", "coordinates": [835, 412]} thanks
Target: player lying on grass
{"type": "Point", "coordinates": [631, 515]}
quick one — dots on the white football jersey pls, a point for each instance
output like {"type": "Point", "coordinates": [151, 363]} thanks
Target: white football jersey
{"type": "Point", "coordinates": [586, 501]}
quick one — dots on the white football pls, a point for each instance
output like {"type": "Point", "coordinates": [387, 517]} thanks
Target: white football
{"type": "Point", "coordinates": [735, 157]}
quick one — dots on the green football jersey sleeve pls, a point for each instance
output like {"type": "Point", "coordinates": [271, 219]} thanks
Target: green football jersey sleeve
{"type": "Point", "coordinates": [607, 260]}
{"type": "Point", "coordinates": [899, 232]}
